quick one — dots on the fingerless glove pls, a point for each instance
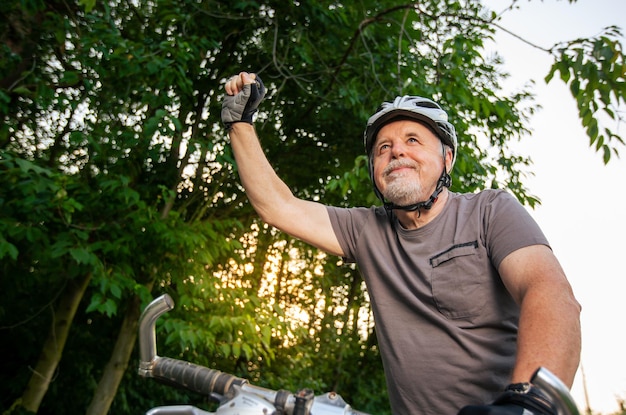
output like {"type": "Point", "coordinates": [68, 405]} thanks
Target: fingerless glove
{"type": "Point", "coordinates": [242, 106]}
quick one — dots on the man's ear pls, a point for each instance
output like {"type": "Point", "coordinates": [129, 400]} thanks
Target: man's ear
{"type": "Point", "coordinates": [449, 157]}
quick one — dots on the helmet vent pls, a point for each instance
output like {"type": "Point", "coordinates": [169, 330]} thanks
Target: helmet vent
{"type": "Point", "coordinates": [426, 104]}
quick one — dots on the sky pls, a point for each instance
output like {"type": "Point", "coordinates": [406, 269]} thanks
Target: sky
{"type": "Point", "coordinates": [583, 211]}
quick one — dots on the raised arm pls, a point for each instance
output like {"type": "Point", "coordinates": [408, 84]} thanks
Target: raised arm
{"type": "Point", "coordinates": [269, 195]}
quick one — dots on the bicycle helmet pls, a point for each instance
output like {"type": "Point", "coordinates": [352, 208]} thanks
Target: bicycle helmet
{"type": "Point", "coordinates": [420, 109]}
{"type": "Point", "coordinates": [425, 111]}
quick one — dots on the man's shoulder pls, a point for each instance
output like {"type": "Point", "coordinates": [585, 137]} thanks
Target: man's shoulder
{"type": "Point", "coordinates": [354, 215]}
{"type": "Point", "coordinates": [483, 196]}
{"type": "Point", "coordinates": [358, 210]}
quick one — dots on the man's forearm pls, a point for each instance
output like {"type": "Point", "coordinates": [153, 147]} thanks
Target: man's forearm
{"type": "Point", "coordinates": [549, 336]}
{"type": "Point", "coordinates": [264, 188]}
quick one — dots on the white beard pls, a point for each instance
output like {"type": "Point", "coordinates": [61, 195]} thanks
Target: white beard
{"type": "Point", "coordinates": [402, 188]}
{"type": "Point", "coordinates": [403, 192]}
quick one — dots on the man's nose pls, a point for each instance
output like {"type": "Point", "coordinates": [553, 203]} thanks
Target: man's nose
{"type": "Point", "coordinates": [398, 150]}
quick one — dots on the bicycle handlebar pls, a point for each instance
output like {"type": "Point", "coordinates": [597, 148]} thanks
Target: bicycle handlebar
{"type": "Point", "coordinates": [172, 371]}
{"type": "Point", "coordinates": [207, 381]}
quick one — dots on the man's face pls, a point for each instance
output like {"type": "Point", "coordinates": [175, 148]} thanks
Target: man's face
{"type": "Point", "coordinates": [408, 161]}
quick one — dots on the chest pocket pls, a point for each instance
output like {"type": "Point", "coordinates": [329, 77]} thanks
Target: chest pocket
{"type": "Point", "coordinates": [458, 281]}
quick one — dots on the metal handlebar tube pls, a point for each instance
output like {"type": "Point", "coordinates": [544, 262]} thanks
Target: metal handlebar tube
{"type": "Point", "coordinates": [147, 332]}
{"type": "Point", "coordinates": [556, 390]}
{"type": "Point", "coordinates": [331, 403]}
{"type": "Point", "coordinates": [177, 410]}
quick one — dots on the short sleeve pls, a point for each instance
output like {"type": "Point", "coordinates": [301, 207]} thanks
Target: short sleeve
{"type": "Point", "coordinates": [509, 227]}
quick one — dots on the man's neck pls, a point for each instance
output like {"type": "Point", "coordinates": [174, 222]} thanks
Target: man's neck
{"type": "Point", "coordinates": [419, 218]}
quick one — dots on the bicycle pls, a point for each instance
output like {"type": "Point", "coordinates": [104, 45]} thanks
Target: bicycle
{"type": "Point", "coordinates": [236, 396]}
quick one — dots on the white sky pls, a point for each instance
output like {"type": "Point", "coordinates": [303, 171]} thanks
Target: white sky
{"type": "Point", "coordinates": [583, 210]}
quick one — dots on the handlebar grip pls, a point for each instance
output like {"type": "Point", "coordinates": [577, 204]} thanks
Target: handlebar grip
{"type": "Point", "coordinates": [193, 377]}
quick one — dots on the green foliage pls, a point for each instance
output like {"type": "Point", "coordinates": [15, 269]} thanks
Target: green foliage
{"type": "Point", "coordinates": [114, 164]}
{"type": "Point", "coordinates": [595, 70]}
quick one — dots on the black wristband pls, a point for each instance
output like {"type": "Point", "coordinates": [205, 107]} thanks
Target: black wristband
{"type": "Point", "coordinates": [523, 387]}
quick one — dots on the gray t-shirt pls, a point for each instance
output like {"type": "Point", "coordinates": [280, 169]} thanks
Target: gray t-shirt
{"type": "Point", "coordinates": [446, 325]}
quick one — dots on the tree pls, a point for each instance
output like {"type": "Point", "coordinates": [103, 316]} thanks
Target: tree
{"type": "Point", "coordinates": [117, 174]}
{"type": "Point", "coordinates": [594, 71]}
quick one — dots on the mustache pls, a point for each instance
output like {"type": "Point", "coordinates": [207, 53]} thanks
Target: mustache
{"type": "Point", "coordinates": [399, 163]}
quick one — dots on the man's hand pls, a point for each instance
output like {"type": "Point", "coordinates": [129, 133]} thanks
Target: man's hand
{"type": "Point", "coordinates": [518, 399]}
{"type": "Point", "coordinates": [244, 94]}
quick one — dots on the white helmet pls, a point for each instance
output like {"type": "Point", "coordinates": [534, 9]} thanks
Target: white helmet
{"type": "Point", "coordinates": [420, 109]}
{"type": "Point", "coordinates": [425, 111]}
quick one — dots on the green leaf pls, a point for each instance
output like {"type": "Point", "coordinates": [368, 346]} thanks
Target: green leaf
{"type": "Point", "coordinates": [8, 249]}
{"type": "Point", "coordinates": [225, 349]}
{"type": "Point", "coordinates": [22, 90]}
{"type": "Point", "coordinates": [82, 255]}
{"type": "Point", "coordinates": [236, 350]}
{"type": "Point", "coordinates": [247, 351]}
{"type": "Point", "coordinates": [116, 291]}
{"type": "Point", "coordinates": [87, 4]}
{"type": "Point", "coordinates": [70, 78]}
{"type": "Point", "coordinates": [28, 167]}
